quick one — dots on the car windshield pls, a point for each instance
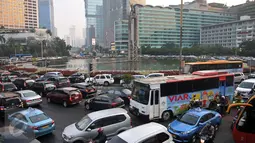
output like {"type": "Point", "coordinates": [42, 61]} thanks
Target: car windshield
{"type": "Point", "coordinates": [38, 118]}
{"type": "Point", "coordinates": [83, 123]}
{"type": "Point", "coordinates": [30, 82]}
{"type": "Point", "coordinates": [140, 93]}
{"type": "Point", "coordinates": [63, 80]}
{"type": "Point", "coordinates": [188, 119]}
{"type": "Point", "coordinates": [29, 94]}
{"type": "Point", "coordinates": [248, 85]}
{"type": "Point", "coordinates": [9, 86]}
{"type": "Point", "coordinates": [126, 91]}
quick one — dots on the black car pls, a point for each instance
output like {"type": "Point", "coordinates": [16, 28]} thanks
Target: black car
{"type": "Point", "coordinates": [124, 94]}
{"type": "Point", "coordinates": [43, 87]}
{"type": "Point", "coordinates": [77, 77]}
{"type": "Point", "coordinates": [59, 81]}
{"type": "Point", "coordinates": [10, 102]}
{"type": "Point", "coordinates": [23, 83]}
{"type": "Point", "coordinates": [104, 101]}
{"type": "Point", "coordinates": [7, 86]}
{"type": "Point", "coordinates": [86, 89]}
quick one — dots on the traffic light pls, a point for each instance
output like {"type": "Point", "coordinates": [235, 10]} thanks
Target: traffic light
{"type": "Point", "coordinates": [90, 67]}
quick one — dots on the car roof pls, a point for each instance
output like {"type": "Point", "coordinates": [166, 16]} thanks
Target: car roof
{"type": "Point", "coordinates": [249, 80]}
{"type": "Point", "coordinates": [23, 78]}
{"type": "Point", "coordinates": [199, 112]}
{"type": "Point", "coordinates": [25, 91]}
{"type": "Point", "coordinates": [53, 72]}
{"type": "Point", "coordinates": [8, 94]}
{"type": "Point", "coordinates": [140, 132]}
{"type": "Point", "coordinates": [4, 83]}
{"type": "Point", "coordinates": [105, 113]}
{"type": "Point", "coordinates": [82, 84]}
{"type": "Point", "coordinates": [31, 112]}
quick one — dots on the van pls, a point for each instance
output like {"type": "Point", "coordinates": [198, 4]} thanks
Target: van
{"type": "Point", "coordinates": [113, 122]}
{"type": "Point", "coordinates": [245, 88]}
{"type": "Point", "coordinates": [147, 133]}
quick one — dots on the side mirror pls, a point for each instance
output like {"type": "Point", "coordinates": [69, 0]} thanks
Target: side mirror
{"type": "Point", "coordinates": [89, 130]}
{"type": "Point", "coordinates": [200, 124]}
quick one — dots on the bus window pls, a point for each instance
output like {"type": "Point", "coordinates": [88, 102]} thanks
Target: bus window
{"type": "Point", "coordinates": [229, 81]}
{"type": "Point", "coordinates": [221, 66]}
{"type": "Point", "coordinates": [141, 93]}
{"type": "Point", "coordinates": [156, 93]}
{"type": "Point", "coordinates": [205, 84]}
{"type": "Point", "coordinates": [168, 89]}
{"type": "Point", "coordinates": [185, 87]}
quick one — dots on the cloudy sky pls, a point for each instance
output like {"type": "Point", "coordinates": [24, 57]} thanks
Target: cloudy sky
{"type": "Point", "coordinates": [72, 12]}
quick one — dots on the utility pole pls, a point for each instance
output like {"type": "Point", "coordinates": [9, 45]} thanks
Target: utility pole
{"type": "Point", "coordinates": [181, 14]}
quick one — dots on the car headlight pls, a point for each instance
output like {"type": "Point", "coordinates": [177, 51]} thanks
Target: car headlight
{"type": "Point", "coordinates": [187, 132]}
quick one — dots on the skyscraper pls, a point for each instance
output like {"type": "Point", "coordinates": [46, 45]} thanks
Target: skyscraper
{"type": "Point", "coordinates": [115, 10]}
{"type": "Point", "coordinates": [72, 35]}
{"type": "Point", "coordinates": [31, 13]}
{"type": "Point", "coordinates": [18, 14]}
{"type": "Point", "coordinates": [67, 39]}
{"type": "Point", "coordinates": [12, 14]}
{"type": "Point", "coordinates": [94, 18]}
{"type": "Point", "coordinates": [46, 15]}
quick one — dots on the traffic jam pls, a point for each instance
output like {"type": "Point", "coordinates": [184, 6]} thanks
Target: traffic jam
{"type": "Point", "coordinates": [193, 105]}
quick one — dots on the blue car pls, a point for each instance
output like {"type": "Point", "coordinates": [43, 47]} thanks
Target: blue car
{"type": "Point", "coordinates": [187, 126]}
{"type": "Point", "coordinates": [32, 121]}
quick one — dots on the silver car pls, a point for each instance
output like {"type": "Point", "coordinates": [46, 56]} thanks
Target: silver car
{"type": "Point", "coordinates": [113, 121]}
{"type": "Point", "coordinates": [29, 98]}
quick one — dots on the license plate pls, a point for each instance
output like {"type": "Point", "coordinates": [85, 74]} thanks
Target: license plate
{"type": "Point", "coordinates": [45, 127]}
{"type": "Point", "coordinates": [76, 97]}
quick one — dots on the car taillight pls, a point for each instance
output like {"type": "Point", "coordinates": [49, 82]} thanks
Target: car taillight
{"type": "Point", "coordinates": [1, 108]}
{"type": "Point", "coordinates": [2, 88]}
{"type": "Point", "coordinates": [129, 97]}
{"type": "Point", "coordinates": [113, 104]}
{"type": "Point", "coordinates": [25, 84]}
{"type": "Point", "coordinates": [71, 98]}
{"type": "Point", "coordinates": [53, 122]}
{"type": "Point", "coordinates": [34, 128]}
{"type": "Point", "coordinates": [28, 100]}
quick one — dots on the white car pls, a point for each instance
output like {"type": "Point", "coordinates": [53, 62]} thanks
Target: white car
{"type": "Point", "coordinates": [239, 77]}
{"type": "Point", "coordinates": [154, 75]}
{"type": "Point", "coordinates": [245, 88]}
{"type": "Point", "coordinates": [104, 79]}
{"type": "Point", "coordinates": [150, 132]}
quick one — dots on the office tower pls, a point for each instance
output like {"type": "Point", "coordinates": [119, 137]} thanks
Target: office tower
{"type": "Point", "coordinates": [94, 20]}
{"type": "Point", "coordinates": [67, 39]}
{"type": "Point", "coordinates": [72, 35]}
{"type": "Point", "coordinates": [46, 15]}
{"type": "Point", "coordinates": [31, 14]}
{"type": "Point", "coordinates": [12, 14]}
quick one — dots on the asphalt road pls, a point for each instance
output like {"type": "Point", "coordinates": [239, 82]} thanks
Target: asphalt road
{"type": "Point", "coordinates": [66, 116]}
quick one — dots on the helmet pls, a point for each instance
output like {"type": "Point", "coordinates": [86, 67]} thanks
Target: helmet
{"type": "Point", "coordinates": [223, 97]}
{"type": "Point", "coordinates": [100, 130]}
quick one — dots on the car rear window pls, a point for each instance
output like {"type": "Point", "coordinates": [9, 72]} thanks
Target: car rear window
{"type": "Point", "coordinates": [11, 102]}
{"type": "Point", "coordinates": [74, 92]}
{"type": "Point", "coordinates": [63, 80]}
{"type": "Point", "coordinates": [30, 82]}
{"type": "Point", "coordinates": [29, 94]}
{"type": "Point", "coordinates": [9, 86]}
{"type": "Point", "coordinates": [126, 91]}
{"type": "Point", "coordinates": [38, 118]}
{"type": "Point", "coordinates": [117, 139]}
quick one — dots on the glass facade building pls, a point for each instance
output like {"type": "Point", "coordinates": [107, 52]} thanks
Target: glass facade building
{"type": "Point", "coordinates": [160, 25]}
{"type": "Point", "coordinates": [46, 15]}
{"type": "Point", "coordinates": [121, 35]}
{"type": "Point", "coordinates": [94, 18]}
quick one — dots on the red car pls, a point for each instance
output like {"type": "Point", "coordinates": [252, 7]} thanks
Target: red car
{"type": "Point", "coordinates": [66, 96]}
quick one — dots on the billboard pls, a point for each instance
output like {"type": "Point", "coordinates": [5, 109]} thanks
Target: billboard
{"type": "Point", "coordinates": [93, 41]}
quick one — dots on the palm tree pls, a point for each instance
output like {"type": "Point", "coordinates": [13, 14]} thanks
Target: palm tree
{"type": "Point", "coordinates": [2, 39]}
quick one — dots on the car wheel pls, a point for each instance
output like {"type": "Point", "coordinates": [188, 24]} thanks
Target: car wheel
{"type": "Point", "coordinates": [167, 115]}
{"type": "Point", "coordinates": [87, 106]}
{"type": "Point", "coordinates": [64, 104]}
{"type": "Point", "coordinates": [48, 100]}
{"type": "Point", "coordinates": [106, 83]}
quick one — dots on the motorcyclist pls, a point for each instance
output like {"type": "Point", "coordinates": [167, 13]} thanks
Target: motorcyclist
{"type": "Point", "coordinates": [101, 137]}
{"type": "Point", "coordinates": [208, 130]}
{"type": "Point", "coordinates": [222, 104]}
{"type": "Point", "coordinates": [195, 104]}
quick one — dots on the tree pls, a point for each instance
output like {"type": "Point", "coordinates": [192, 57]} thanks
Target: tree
{"type": "Point", "coordinates": [247, 48]}
{"type": "Point", "coordinates": [32, 30]}
{"type": "Point", "coordinates": [48, 32]}
{"type": "Point", "coordinates": [2, 39]}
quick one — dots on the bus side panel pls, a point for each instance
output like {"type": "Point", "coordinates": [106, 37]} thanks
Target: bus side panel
{"type": "Point", "coordinates": [179, 103]}
{"type": "Point", "coordinates": [229, 92]}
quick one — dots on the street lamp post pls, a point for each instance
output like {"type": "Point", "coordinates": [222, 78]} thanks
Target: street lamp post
{"type": "Point", "coordinates": [181, 14]}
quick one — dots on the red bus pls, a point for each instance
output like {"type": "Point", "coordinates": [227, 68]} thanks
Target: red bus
{"type": "Point", "coordinates": [244, 127]}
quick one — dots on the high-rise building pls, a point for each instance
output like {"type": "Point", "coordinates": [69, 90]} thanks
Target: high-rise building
{"type": "Point", "coordinates": [161, 25]}
{"type": "Point", "coordinates": [121, 35]}
{"type": "Point", "coordinates": [229, 34]}
{"type": "Point", "coordinates": [67, 39]}
{"type": "Point", "coordinates": [115, 10]}
{"type": "Point", "coordinates": [72, 35]}
{"type": "Point", "coordinates": [12, 14]}
{"type": "Point", "coordinates": [31, 13]}
{"type": "Point", "coordinates": [46, 15]}
{"type": "Point", "coordinates": [247, 8]}
{"type": "Point", "coordinates": [94, 18]}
